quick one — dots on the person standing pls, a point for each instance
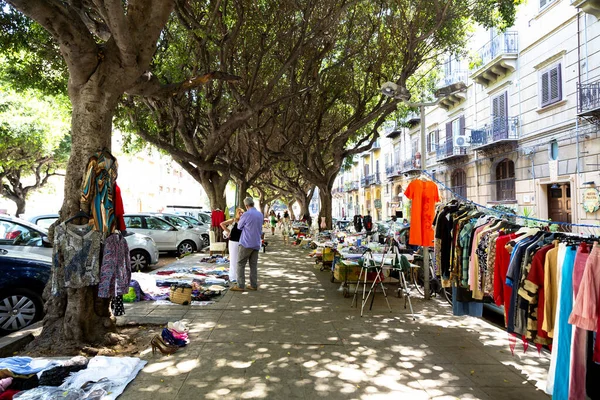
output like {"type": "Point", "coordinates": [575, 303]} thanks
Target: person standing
{"type": "Point", "coordinates": [286, 227]}
{"type": "Point", "coordinates": [273, 221]}
{"type": "Point", "coordinates": [230, 227]}
{"type": "Point", "coordinates": [251, 226]}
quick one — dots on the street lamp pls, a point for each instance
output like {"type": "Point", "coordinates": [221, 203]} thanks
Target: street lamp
{"type": "Point", "coordinates": [391, 89]}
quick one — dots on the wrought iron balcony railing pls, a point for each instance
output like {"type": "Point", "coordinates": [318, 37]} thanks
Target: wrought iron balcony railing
{"type": "Point", "coordinates": [447, 150]}
{"type": "Point", "coordinates": [454, 77]}
{"type": "Point", "coordinates": [504, 43]}
{"type": "Point", "coordinates": [588, 98]}
{"type": "Point", "coordinates": [411, 164]}
{"type": "Point", "coordinates": [499, 130]}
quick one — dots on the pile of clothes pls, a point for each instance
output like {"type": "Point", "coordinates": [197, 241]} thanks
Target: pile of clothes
{"type": "Point", "coordinates": [176, 334]}
{"type": "Point", "coordinates": [101, 378]}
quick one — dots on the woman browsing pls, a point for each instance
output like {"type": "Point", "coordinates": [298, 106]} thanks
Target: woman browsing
{"type": "Point", "coordinates": [231, 230]}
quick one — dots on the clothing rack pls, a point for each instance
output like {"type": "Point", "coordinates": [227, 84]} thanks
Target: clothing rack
{"type": "Point", "coordinates": [505, 214]}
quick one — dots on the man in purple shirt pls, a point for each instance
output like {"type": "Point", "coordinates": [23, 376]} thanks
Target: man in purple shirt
{"type": "Point", "coordinates": [251, 225]}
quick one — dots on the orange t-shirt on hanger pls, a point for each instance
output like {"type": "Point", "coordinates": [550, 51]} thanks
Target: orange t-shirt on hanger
{"type": "Point", "coordinates": [424, 195]}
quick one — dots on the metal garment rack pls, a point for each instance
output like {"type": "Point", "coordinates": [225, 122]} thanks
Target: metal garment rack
{"type": "Point", "coordinates": [369, 264]}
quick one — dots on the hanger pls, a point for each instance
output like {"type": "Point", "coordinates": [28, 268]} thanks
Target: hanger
{"type": "Point", "coordinates": [80, 214]}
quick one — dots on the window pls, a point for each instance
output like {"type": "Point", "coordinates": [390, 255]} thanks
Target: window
{"type": "Point", "coordinates": [157, 224]}
{"type": "Point", "coordinates": [133, 222]}
{"type": "Point", "coordinates": [432, 141]}
{"type": "Point", "coordinates": [544, 3]}
{"type": "Point", "coordinates": [553, 150]}
{"type": "Point", "coordinates": [414, 148]}
{"type": "Point", "coordinates": [550, 86]}
{"type": "Point", "coordinates": [500, 116]}
{"type": "Point", "coordinates": [505, 180]}
{"type": "Point", "coordinates": [19, 235]}
{"type": "Point", "coordinates": [459, 183]}
{"type": "Point", "coordinates": [46, 222]}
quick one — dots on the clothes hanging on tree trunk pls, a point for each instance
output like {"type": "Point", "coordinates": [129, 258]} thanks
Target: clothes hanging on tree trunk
{"type": "Point", "coordinates": [97, 191]}
{"type": "Point", "coordinates": [75, 257]}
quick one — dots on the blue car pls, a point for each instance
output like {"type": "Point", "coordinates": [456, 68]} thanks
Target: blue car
{"type": "Point", "coordinates": [22, 281]}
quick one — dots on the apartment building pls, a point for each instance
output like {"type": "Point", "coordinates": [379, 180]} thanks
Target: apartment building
{"type": "Point", "coordinates": [524, 133]}
{"type": "Point", "coordinates": [362, 187]}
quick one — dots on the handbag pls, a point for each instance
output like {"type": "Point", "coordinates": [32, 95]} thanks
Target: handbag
{"type": "Point", "coordinates": [181, 294]}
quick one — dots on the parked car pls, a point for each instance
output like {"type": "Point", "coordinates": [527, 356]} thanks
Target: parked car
{"type": "Point", "coordinates": [166, 236]}
{"type": "Point", "coordinates": [180, 222]}
{"type": "Point", "coordinates": [19, 235]}
{"type": "Point", "coordinates": [22, 281]}
{"type": "Point", "coordinates": [205, 217]}
{"type": "Point", "coordinates": [142, 249]}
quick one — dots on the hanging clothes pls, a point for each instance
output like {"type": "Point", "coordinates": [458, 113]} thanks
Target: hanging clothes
{"type": "Point", "coordinates": [119, 210]}
{"type": "Point", "coordinates": [579, 344]}
{"type": "Point", "coordinates": [75, 257]}
{"type": "Point", "coordinates": [97, 191]}
{"type": "Point", "coordinates": [562, 347]}
{"type": "Point", "coordinates": [115, 272]}
{"type": "Point", "coordinates": [424, 195]}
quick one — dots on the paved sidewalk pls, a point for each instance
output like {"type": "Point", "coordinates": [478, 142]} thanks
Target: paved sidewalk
{"type": "Point", "coordinates": [298, 338]}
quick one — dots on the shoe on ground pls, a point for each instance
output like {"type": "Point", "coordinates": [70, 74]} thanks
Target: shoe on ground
{"type": "Point", "coordinates": [251, 288]}
{"type": "Point", "coordinates": [236, 288]}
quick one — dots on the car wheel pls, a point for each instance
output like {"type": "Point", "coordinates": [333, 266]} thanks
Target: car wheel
{"type": "Point", "coordinates": [186, 247]}
{"type": "Point", "coordinates": [18, 309]}
{"type": "Point", "coordinates": [139, 260]}
{"type": "Point", "coordinates": [205, 240]}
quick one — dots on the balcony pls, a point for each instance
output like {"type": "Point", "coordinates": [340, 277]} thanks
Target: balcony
{"type": "Point", "coordinates": [498, 58]}
{"type": "Point", "coordinates": [502, 130]}
{"type": "Point", "coordinates": [411, 165]}
{"type": "Point", "coordinates": [588, 6]}
{"type": "Point", "coordinates": [394, 134]}
{"type": "Point", "coordinates": [374, 179]}
{"type": "Point", "coordinates": [363, 182]}
{"type": "Point", "coordinates": [588, 99]}
{"type": "Point", "coordinates": [350, 186]}
{"type": "Point", "coordinates": [454, 99]}
{"type": "Point", "coordinates": [413, 118]}
{"type": "Point", "coordinates": [393, 170]}
{"type": "Point", "coordinates": [448, 152]}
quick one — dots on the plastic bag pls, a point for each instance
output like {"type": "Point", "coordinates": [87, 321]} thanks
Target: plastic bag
{"type": "Point", "coordinates": [50, 393]}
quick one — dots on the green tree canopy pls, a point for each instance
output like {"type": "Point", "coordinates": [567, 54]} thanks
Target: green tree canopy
{"type": "Point", "coordinates": [34, 141]}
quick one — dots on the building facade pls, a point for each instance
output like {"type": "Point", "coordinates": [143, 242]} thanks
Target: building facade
{"type": "Point", "coordinates": [524, 133]}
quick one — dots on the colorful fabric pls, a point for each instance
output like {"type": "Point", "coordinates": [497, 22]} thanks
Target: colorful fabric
{"type": "Point", "coordinates": [115, 272]}
{"type": "Point", "coordinates": [119, 209]}
{"type": "Point", "coordinates": [564, 332]}
{"type": "Point", "coordinates": [97, 191]}
{"type": "Point", "coordinates": [216, 217]}
{"type": "Point", "coordinates": [424, 195]}
{"type": "Point", "coordinates": [579, 345]}
{"type": "Point", "coordinates": [75, 257]}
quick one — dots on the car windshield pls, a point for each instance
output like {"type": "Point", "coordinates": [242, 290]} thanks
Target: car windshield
{"type": "Point", "coordinates": [204, 217]}
{"type": "Point", "coordinates": [45, 222]}
{"type": "Point", "coordinates": [180, 222]}
{"type": "Point", "coordinates": [191, 220]}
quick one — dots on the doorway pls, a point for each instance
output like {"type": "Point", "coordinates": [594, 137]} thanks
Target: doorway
{"type": "Point", "coordinates": [559, 203]}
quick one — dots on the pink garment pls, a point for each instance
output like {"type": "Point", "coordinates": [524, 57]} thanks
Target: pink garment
{"type": "Point", "coordinates": [5, 383]}
{"type": "Point", "coordinates": [579, 342]}
{"type": "Point", "coordinates": [177, 335]}
{"type": "Point", "coordinates": [586, 310]}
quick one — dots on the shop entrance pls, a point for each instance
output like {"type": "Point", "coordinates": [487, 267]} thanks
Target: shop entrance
{"type": "Point", "coordinates": [559, 203]}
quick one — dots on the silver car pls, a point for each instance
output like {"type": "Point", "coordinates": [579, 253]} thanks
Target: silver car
{"type": "Point", "coordinates": [142, 249]}
{"type": "Point", "coordinates": [181, 221]}
{"type": "Point", "coordinates": [168, 237]}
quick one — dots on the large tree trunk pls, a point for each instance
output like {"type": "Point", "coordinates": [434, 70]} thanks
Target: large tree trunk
{"type": "Point", "coordinates": [79, 317]}
{"type": "Point", "coordinates": [290, 206]}
{"type": "Point", "coordinates": [242, 193]}
{"type": "Point", "coordinates": [326, 206]}
{"type": "Point", "coordinates": [214, 184]}
{"type": "Point", "coordinates": [20, 202]}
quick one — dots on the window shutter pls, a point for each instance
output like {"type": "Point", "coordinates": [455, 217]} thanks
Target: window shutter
{"type": "Point", "coordinates": [449, 131]}
{"type": "Point", "coordinates": [437, 137]}
{"type": "Point", "coordinates": [545, 92]}
{"type": "Point", "coordinates": [555, 84]}
{"type": "Point", "coordinates": [461, 125]}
